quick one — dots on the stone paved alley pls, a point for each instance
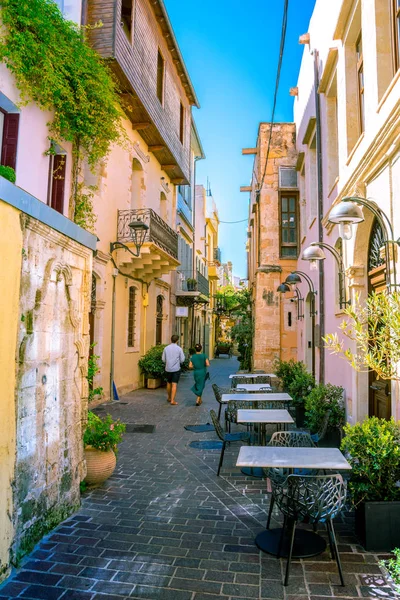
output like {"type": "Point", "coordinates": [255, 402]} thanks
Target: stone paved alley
{"type": "Point", "coordinates": [164, 527]}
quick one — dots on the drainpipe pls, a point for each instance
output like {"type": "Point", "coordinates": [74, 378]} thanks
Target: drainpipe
{"type": "Point", "coordinates": [320, 217]}
{"type": "Point", "coordinates": [112, 364]}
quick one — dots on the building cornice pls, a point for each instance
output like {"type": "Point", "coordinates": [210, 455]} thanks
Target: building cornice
{"type": "Point", "coordinates": [330, 63]}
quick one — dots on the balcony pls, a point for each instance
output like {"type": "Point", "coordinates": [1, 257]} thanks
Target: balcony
{"type": "Point", "coordinates": [159, 253]}
{"type": "Point", "coordinates": [217, 255]}
{"type": "Point", "coordinates": [186, 296]}
{"type": "Point", "coordinates": [183, 205]}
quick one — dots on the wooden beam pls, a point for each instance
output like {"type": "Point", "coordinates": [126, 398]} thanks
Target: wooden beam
{"type": "Point", "coordinates": [245, 188]}
{"type": "Point", "coordinates": [168, 167]}
{"type": "Point", "coordinates": [179, 181]}
{"type": "Point", "coordinates": [249, 151]}
{"type": "Point", "coordinates": [156, 147]}
{"type": "Point", "coordinates": [139, 126]}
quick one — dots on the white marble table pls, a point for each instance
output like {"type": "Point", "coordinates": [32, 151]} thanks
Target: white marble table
{"type": "Point", "coordinates": [252, 375]}
{"type": "Point", "coordinates": [306, 543]}
{"type": "Point", "coordinates": [250, 397]}
{"type": "Point", "coordinates": [262, 416]}
{"type": "Point", "coordinates": [330, 459]}
{"type": "Point", "coordinates": [253, 387]}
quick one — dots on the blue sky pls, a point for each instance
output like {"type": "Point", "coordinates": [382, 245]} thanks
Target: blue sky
{"type": "Point", "coordinates": [231, 50]}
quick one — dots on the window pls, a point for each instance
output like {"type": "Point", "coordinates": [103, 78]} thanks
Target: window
{"type": "Point", "coordinates": [132, 317]}
{"type": "Point", "coordinates": [71, 9]}
{"type": "Point", "coordinates": [287, 177]}
{"type": "Point", "coordinates": [182, 123]}
{"type": "Point", "coordinates": [288, 216]}
{"type": "Point", "coordinates": [126, 17]}
{"type": "Point", "coordinates": [56, 187]}
{"type": "Point", "coordinates": [160, 76]}
{"type": "Point", "coordinates": [9, 125]}
{"type": "Point", "coordinates": [360, 83]}
{"type": "Point", "coordinates": [332, 133]}
{"type": "Point", "coordinates": [396, 33]}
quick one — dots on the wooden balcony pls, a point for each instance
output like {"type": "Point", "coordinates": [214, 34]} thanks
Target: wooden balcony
{"type": "Point", "coordinates": [159, 253]}
{"type": "Point", "coordinates": [133, 59]}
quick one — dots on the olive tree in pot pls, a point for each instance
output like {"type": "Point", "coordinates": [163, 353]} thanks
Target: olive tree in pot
{"type": "Point", "coordinates": [296, 381]}
{"type": "Point", "coordinates": [152, 366]}
{"type": "Point", "coordinates": [321, 400]}
{"type": "Point", "coordinates": [373, 450]}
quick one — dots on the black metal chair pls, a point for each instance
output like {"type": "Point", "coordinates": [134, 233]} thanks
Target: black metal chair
{"type": "Point", "coordinates": [311, 499]}
{"type": "Point", "coordinates": [287, 439]}
{"type": "Point", "coordinates": [236, 381]}
{"type": "Point", "coordinates": [226, 438]}
{"type": "Point", "coordinates": [231, 412]}
{"type": "Point", "coordinates": [218, 391]}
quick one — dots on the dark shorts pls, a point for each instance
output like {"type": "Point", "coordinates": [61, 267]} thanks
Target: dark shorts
{"type": "Point", "coordinates": [172, 377]}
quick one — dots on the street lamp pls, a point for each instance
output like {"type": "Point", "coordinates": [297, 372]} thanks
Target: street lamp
{"type": "Point", "coordinates": [314, 253]}
{"type": "Point", "coordinates": [139, 231]}
{"type": "Point", "coordinates": [347, 213]}
{"type": "Point", "coordinates": [293, 279]}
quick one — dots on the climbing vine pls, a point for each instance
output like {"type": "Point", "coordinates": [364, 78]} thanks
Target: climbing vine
{"type": "Point", "coordinates": [55, 67]}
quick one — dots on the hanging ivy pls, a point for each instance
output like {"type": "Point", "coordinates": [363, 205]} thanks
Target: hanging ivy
{"type": "Point", "coordinates": [56, 68]}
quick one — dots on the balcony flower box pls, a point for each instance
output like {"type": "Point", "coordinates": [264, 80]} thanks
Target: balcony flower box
{"type": "Point", "coordinates": [191, 285]}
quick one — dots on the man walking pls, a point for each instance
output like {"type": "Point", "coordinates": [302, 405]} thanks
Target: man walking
{"type": "Point", "coordinates": [173, 357]}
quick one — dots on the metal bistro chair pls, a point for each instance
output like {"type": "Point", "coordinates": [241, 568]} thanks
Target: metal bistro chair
{"type": "Point", "coordinates": [231, 412]}
{"type": "Point", "coordinates": [310, 499]}
{"type": "Point", "coordinates": [236, 381]}
{"type": "Point", "coordinates": [226, 438]}
{"type": "Point", "coordinates": [277, 476]}
{"type": "Point", "coordinates": [218, 391]}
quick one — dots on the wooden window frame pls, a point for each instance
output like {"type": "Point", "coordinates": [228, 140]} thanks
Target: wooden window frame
{"type": "Point", "coordinates": [160, 76]}
{"type": "Point", "coordinates": [125, 22]}
{"type": "Point", "coordinates": [53, 170]}
{"type": "Point", "coordinates": [395, 19]}
{"type": "Point", "coordinates": [182, 114]}
{"type": "Point", "coordinates": [4, 156]}
{"type": "Point", "coordinates": [295, 195]}
{"type": "Point", "coordinates": [360, 88]}
{"type": "Point", "coordinates": [132, 317]}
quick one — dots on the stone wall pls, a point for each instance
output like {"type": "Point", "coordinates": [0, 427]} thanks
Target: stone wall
{"type": "Point", "coordinates": [51, 389]}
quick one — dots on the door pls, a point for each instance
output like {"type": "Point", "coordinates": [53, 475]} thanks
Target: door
{"type": "Point", "coordinates": [57, 182]}
{"type": "Point", "coordinates": [159, 319]}
{"type": "Point", "coordinates": [379, 390]}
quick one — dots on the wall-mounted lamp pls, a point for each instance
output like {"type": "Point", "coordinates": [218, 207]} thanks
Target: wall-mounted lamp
{"type": "Point", "coordinates": [314, 253]}
{"type": "Point", "coordinates": [348, 213]}
{"type": "Point", "coordinates": [139, 231]}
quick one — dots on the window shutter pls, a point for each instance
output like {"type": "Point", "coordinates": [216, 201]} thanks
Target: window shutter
{"type": "Point", "coordinates": [58, 183]}
{"type": "Point", "coordinates": [10, 140]}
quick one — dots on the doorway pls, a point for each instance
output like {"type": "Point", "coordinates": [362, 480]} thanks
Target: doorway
{"type": "Point", "coordinates": [379, 397]}
{"type": "Point", "coordinates": [159, 319]}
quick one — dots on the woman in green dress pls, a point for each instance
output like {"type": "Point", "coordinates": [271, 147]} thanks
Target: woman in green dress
{"type": "Point", "coordinates": [199, 363]}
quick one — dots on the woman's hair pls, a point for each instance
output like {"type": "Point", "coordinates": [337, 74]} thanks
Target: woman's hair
{"type": "Point", "coordinates": [198, 347]}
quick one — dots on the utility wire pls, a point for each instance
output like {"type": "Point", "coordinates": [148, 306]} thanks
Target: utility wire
{"type": "Point", "coordinates": [233, 222]}
{"type": "Point", "coordinates": [278, 75]}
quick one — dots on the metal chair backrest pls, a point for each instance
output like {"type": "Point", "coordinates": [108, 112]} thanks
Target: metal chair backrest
{"type": "Point", "coordinates": [233, 406]}
{"type": "Point", "coordinates": [294, 439]}
{"type": "Point", "coordinates": [269, 404]}
{"type": "Point", "coordinates": [217, 425]}
{"type": "Point", "coordinates": [311, 498]}
{"type": "Point", "coordinates": [236, 381]}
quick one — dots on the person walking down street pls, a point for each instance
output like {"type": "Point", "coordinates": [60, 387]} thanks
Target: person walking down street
{"type": "Point", "coordinates": [173, 357]}
{"type": "Point", "coordinates": [199, 363]}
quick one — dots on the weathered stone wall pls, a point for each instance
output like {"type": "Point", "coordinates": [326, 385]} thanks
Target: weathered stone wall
{"type": "Point", "coordinates": [51, 390]}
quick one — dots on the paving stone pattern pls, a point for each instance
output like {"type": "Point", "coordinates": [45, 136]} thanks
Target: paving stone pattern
{"type": "Point", "coordinates": [165, 527]}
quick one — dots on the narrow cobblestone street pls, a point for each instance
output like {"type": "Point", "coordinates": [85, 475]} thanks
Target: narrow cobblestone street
{"type": "Point", "coordinates": [164, 527]}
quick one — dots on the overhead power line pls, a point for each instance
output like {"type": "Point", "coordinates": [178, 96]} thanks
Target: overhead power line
{"type": "Point", "coordinates": [278, 76]}
{"type": "Point", "coordinates": [233, 222]}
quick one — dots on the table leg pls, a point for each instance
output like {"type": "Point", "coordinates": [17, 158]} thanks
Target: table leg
{"type": "Point", "coordinates": [306, 543]}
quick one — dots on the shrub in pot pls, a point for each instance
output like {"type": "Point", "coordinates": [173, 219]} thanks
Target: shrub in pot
{"type": "Point", "coordinates": [101, 439]}
{"type": "Point", "coordinates": [373, 450]}
{"type": "Point", "coordinates": [8, 173]}
{"type": "Point", "coordinates": [152, 366]}
{"type": "Point", "coordinates": [191, 284]}
{"type": "Point", "coordinates": [320, 400]}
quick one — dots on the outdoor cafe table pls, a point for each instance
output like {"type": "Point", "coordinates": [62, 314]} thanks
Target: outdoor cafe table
{"type": "Point", "coordinates": [251, 397]}
{"type": "Point", "coordinates": [264, 417]}
{"type": "Point", "coordinates": [307, 543]}
{"type": "Point", "coordinates": [252, 375]}
{"type": "Point", "coordinates": [253, 387]}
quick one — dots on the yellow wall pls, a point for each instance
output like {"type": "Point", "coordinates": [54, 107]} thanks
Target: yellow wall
{"type": "Point", "coordinates": [10, 270]}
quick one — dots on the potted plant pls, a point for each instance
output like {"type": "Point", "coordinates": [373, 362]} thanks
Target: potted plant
{"type": "Point", "coordinates": [320, 400]}
{"type": "Point", "coordinates": [101, 439]}
{"type": "Point", "coordinates": [373, 450]}
{"type": "Point", "coordinates": [391, 570]}
{"type": "Point", "coordinates": [152, 366]}
{"type": "Point", "coordinates": [191, 284]}
{"type": "Point", "coordinates": [8, 173]}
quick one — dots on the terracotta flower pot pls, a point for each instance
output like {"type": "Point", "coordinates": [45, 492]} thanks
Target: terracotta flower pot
{"type": "Point", "coordinates": [100, 465]}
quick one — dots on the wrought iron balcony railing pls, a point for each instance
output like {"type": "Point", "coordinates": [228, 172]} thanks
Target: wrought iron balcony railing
{"type": "Point", "coordinates": [202, 284]}
{"type": "Point", "coordinates": [217, 254]}
{"type": "Point", "coordinates": [184, 207]}
{"type": "Point", "coordinates": [159, 233]}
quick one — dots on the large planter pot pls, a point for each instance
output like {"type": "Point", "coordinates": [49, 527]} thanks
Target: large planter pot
{"type": "Point", "coordinates": [332, 439]}
{"type": "Point", "coordinates": [99, 465]}
{"type": "Point", "coordinates": [300, 415]}
{"type": "Point", "coordinates": [153, 383]}
{"type": "Point", "coordinates": [378, 525]}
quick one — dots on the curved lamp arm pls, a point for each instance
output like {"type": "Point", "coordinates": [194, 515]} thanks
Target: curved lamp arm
{"type": "Point", "coordinates": [333, 251]}
{"type": "Point", "coordinates": [308, 279]}
{"type": "Point", "coordinates": [343, 302]}
{"type": "Point", "coordinates": [118, 245]}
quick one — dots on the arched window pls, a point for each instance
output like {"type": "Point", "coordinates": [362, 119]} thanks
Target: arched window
{"type": "Point", "coordinates": [159, 319]}
{"type": "Point", "coordinates": [137, 185]}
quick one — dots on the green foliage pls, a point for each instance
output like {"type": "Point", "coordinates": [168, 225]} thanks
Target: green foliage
{"type": "Point", "coordinates": [287, 370]}
{"type": "Point", "coordinates": [373, 449]}
{"type": "Point", "coordinates": [191, 281]}
{"type": "Point", "coordinates": [8, 173]}
{"type": "Point", "coordinates": [93, 369]}
{"type": "Point", "coordinates": [151, 363]}
{"type": "Point", "coordinates": [84, 215]}
{"type": "Point", "coordinates": [103, 433]}
{"type": "Point", "coordinates": [242, 331]}
{"type": "Point", "coordinates": [321, 399]}
{"type": "Point", "coordinates": [83, 486]}
{"type": "Point", "coordinates": [374, 328]}
{"type": "Point", "coordinates": [55, 67]}
{"type": "Point", "coordinates": [300, 387]}
{"type": "Point", "coordinates": [296, 380]}
{"type": "Point", "coordinates": [392, 566]}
